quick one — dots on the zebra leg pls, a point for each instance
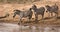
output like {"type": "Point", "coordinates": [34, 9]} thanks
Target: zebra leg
{"type": "Point", "coordinates": [42, 16]}
{"type": "Point", "coordinates": [19, 22]}
{"type": "Point", "coordinates": [48, 14]}
{"type": "Point", "coordinates": [56, 15]}
{"type": "Point", "coordinates": [36, 17]}
{"type": "Point", "coordinates": [14, 15]}
{"type": "Point", "coordinates": [51, 14]}
{"type": "Point", "coordinates": [30, 17]}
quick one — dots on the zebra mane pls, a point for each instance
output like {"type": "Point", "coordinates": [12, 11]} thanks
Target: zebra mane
{"type": "Point", "coordinates": [34, 6]}
{"type": "Point", "coordinates": [17, 10]}
{"type": "Point", "coordinates": [48, 6]}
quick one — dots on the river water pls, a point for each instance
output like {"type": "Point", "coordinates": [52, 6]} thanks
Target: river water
{"type": "Point", "coordinates": [8, 27]}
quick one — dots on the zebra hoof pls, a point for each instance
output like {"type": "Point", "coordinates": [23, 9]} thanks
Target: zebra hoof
{"type": "Point", "coordinates": [18, 23]}
{"type": "Point", "coordinates": [32, 18]}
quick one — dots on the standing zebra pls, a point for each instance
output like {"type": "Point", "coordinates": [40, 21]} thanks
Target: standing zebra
{"type": "Point", "coordinates": [52, 9]}
{"type": "Point", "coordinates": [23, 14]}
{"type": "Point", "coordinates": [38, 11]}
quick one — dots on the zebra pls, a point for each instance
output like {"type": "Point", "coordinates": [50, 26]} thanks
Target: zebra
{"type": "Point", "coordinates": [52, 9]}
{"type": "Point", "coordinates": [23, 14]}
{"type": "Point", "coordinates": [38, 11]}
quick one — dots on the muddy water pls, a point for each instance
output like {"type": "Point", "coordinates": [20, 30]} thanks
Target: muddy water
{"type": "Point", "coordinates": [40, 29]}
{"type": "Point", "coordinates": [7, 27]}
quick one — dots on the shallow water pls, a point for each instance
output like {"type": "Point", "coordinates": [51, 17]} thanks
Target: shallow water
{"type": "Point", "coordinates": [7, 27]}
{"type": "Point", "coordinates": [41, 29]}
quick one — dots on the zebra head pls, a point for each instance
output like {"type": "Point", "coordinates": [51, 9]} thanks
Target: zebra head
{"type": "Point", "coordinates": [34, 7]}
{"type": "Point", "coordinates": [30, 9]}
{"type": "Point", "coordinates": [14, 15]}
{"type": "Point", "coordinates": [16, 12]}
{"type": "Point", "coordinates": [47, 7]}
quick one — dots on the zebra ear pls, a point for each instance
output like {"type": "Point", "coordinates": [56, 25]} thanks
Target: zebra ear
{"type": "Point", "coordinates": [46, 5]}
{"type": "Point", "coordinates": [13, 16]}
{"type": "Point", "coordinates": [30, 9]}
{"type": "Point", "coordinates": [13, 10]}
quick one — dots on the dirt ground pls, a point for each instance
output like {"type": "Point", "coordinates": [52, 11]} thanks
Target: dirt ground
{"type": "Point", "coordinates": [8, 8]}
